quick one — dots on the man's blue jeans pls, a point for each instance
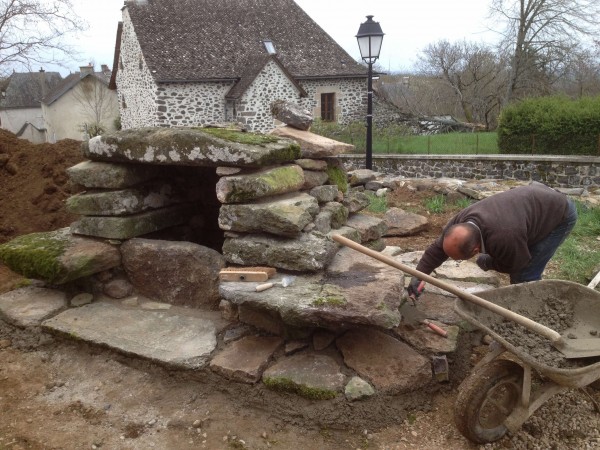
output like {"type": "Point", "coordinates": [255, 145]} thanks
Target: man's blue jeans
{"type": "Point", "coordinates": [542, 251]}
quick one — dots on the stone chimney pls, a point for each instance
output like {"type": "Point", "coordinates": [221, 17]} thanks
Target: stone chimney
{"type": "Point", "coordinates": [105, 69]}
{"type": "Point", "coordinates": [42, 79]}
{"type": "Point", "coordinates": [86, 70]}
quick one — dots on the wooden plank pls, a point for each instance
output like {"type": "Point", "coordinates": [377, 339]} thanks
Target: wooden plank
{"type": "Point", "coordinates": [243, 275]}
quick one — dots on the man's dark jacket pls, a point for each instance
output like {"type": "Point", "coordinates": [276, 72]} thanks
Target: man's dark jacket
{"type": "Point", "coordinates": [510, 223]}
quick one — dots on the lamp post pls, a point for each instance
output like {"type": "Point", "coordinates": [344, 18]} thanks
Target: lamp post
{"type": "Point", "coordinates": [369, 37]}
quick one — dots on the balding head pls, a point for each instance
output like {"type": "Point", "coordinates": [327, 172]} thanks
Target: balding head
{"type": "Point", "coordinates": [461, 241]}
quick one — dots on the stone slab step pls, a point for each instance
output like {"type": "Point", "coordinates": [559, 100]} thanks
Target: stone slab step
{"type": "Point", "coordinates": [166, 337]}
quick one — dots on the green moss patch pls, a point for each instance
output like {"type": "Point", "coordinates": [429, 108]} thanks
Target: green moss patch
{"type": "Point", "coordinates": [330, 296]}
{"type": "Point", "coordinates": [282, 177]}
{"type": "Point", "coordinates": [36, 255]}
{"type": "Point", "coordinates": [241, 137]}
{"type": "Point", "coordinates": [338, 176]}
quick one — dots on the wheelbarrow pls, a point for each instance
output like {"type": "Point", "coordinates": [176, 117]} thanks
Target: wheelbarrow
{"type": "Point", "coordinates": [498, 395]}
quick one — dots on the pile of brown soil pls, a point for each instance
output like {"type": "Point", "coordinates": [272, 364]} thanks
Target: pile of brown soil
{"type": "Point", "coordinates": [33, 188]}
{"type": "Point", "coordinates": [34, 185]}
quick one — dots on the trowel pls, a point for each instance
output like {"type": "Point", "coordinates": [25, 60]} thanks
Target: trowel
{"type": "Point", "coordinates": [411, 315]}
{"type": "Point", "coordinates": [285, 282]}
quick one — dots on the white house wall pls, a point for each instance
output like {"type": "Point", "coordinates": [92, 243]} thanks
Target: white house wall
{"type": "Point", "coordinates": [14, 119]}
{"type": "Point", "coordinates": [66, 117]}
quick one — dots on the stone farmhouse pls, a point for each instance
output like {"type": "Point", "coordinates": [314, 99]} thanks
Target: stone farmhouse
{"type": "Point", "coordinates": [45, 107]}
{"type": "Point", "coordinates": [198, 62]}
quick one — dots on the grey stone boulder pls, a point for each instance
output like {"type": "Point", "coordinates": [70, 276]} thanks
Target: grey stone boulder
{"type": "Point", "coordinates": [267, 182]}
{"type": "Point", "coordinates": [284, 215]}
{"type": "Point", "coordinates": [424, 339]}
{"type": "Point", "coordinates": [369, 227]}
{"type": "Point", "coordinates": [313, 145]}
{"type": "Point", "coordinates": [326, 193]}
{"type": "Point", "coordinates": [208, 147]}
{"type": "Point", "coordinates": [172, 338]}
{"type": "Point", "coordinates": [347, 232]}
{"type": "Point", "coordinates": [127, 227]}
{"type": "Point", "coordinates": [314, 376]}
{"type": "Point", "coordinates": [322, 222]}
{"type": "Point", "coordinates": [179, 273]}
{"type": "Point", "coordinates": [361, 176]}
{"type": "Point", "coordinates": [404, 223]}
{"type": "Point", "coordinates": [312, 164]}
{"type": "Point", "coordinates": [356, 201]}
{"type": "Point", "coordinates": [339, 214]}
{"type": "Point", "coordinates": [291, 114]}
{"type": "Point", "coordinates": [313, 178]}
{"type": "Point", "coordinates": [58, 257]}
{"type": "Point", "coordinates": [107, 175]}
{"type": "Point", "coordinates": [309, 252]}
{"type": "Point", "coordinates": [29, 306]}
{"type": "Point", "coordinates": [245, 359]}
{"type": "Point", "coordinates": [389, 364]}
{"type": "Point", "coordinates": [357, 389]}
{"type": "Point", "coordinates": [355, 289]}
{"type": "Point", "coordinates": [125, 201]}
{"type": "Point", "coordinates": [467, 271]}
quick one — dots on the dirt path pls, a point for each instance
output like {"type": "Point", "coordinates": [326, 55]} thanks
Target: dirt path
{"type": "Point", "coordinates": [63, 395]}
{"type": "Point", "coordinates": [66, 395]}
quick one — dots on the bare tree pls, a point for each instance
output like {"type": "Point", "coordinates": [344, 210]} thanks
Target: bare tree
{"type": "Point", "coordinates": [34, 31]}
{"type": "Point", "coordinates": [96, 105]}
{"type": "Point", "coordinates": [583, 74]}
{"type": "Point", "coordinates": [471, 71]}
{"type": "Point", "coordinates": [538, 34]}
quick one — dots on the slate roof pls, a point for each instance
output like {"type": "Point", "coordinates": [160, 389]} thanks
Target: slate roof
{"type": "Point", "coordinates": [200, 40]}
{"type": "Point", "coordinates": [24, 90]}
{"type": "Point", "coordinates": [71, 81]}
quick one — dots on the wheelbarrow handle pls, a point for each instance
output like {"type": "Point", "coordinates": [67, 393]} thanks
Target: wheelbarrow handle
{"type": "Point", "coordinates": [506, 313]}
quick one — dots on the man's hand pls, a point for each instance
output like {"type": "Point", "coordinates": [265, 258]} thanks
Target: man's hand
{"type": "Point", "coordinates": [485, 261]}
{"type": "Point", "coordinates": [415, 288]}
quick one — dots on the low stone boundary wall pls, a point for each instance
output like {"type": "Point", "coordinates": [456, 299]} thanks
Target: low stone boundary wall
{"type": "Point", "coordinates": [556, 171]}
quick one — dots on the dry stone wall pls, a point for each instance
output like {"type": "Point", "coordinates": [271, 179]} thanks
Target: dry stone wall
{"type": "Point", "coordinates": [278, 196]}
{"type": "Point", "coordinates": [556, 171]}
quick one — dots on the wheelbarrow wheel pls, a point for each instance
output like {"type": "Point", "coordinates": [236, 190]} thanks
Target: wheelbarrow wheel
{"type": "Point", "coordinates": [486, 398]}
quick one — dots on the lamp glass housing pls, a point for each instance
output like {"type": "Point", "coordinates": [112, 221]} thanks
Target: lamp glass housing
{"type": "Point", "coordinates": [369, 37]}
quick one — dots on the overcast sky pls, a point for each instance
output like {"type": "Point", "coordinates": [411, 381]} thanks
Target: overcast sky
{"type": "Point", "coordinates": [408, 26]}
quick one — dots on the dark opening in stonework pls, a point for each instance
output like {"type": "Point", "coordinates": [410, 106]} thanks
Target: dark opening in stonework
{"type": "Point", "coordinates": [198, 184]}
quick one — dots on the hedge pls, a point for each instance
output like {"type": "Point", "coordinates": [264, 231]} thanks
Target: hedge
{"type": "Point", "coordinates": [551, 126]}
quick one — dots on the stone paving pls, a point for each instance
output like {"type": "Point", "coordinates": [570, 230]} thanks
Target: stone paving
{"type": "Point", "coordinates": [319, 360]}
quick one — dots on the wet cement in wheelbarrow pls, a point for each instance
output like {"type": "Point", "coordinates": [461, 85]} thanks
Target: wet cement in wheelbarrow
{"type": "Point", "coordinates": [556, 314]}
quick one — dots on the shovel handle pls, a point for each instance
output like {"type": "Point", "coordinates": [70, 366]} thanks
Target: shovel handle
{"type": "Point", "coordinates": [536, 327]}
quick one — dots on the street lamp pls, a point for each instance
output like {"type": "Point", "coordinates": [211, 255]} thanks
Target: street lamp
{"type": "Point", "coordinates": [369, 37]}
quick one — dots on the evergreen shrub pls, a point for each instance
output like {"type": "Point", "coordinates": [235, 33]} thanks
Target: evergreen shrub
{"type": "Point", "coordinates": [551, 126]}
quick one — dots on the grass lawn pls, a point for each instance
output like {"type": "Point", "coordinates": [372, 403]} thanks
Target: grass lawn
{"type": "Point", "coordinates": [439, 144]}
